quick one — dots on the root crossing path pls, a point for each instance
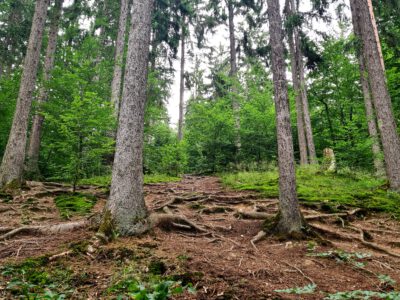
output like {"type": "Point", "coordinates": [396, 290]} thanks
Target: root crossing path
{"type": "Point", "coordinates": [213, 250]}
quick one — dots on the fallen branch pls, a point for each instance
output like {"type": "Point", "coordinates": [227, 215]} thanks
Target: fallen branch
{"type": "Point", "coordinates": [301, 272]}
{"type": "Point", "coordinates": [258, 238]}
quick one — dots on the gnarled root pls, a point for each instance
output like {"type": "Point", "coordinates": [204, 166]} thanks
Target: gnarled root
{"type": "Point", "coordinates": [46, 229]}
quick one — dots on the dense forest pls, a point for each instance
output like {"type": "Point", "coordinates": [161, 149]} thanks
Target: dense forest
{"type": "Point", "coordinates": [279, 180]}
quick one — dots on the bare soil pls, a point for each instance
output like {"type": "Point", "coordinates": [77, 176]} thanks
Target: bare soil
{"type": "Point", "coordinates": [224, 265]}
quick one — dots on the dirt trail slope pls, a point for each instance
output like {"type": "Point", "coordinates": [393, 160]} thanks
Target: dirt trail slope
{"type": "Point", "coordinates": [221, 263]}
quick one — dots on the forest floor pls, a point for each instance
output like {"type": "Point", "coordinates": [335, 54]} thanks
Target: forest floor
{"type": "Point", "coordinates": [221, 264]}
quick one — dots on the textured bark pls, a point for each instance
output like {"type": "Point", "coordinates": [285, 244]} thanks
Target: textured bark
{"type": "Point", "coordinates": [369, 108]}
{"type": "Point", "coordinates": [182, 85]}
{"type": "Point", "coordinates": [379, 90]}
{"type": "Point", "coordinates": [32, 162]}
{"type": "Point", "coordinates": [119, 56]}
{"type": "Point", "coordinates": [304, 100]}
{"type": "Point", "coordinates": [296, 86]}
{"type": "Point", "coordinates": [12, 166]}
{"type": "Point", "coordinates": [289, 220]}
{"type": "Point", "coordinates": [126, 210]}
{"type": "Point", "coordinates": [233, 71]}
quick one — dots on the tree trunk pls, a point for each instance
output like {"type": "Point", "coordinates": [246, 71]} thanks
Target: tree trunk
{"type": "Point", "coordinates": [12, 166]}
{"type": "Point", "coordinates": [289, 219]}
{"type": "Point", "coordinates": [182, 84]}
{"type": "Point", "coordinates": [296, 86]}
{"type": "Point", "coordinates": [369, 108]}
{"type": "Point", "coordinates": [304, 100]}
{"type": "Point", "coordinates": [32, 162]}
{"type": "Point", "coordinates": [379, 90]}
{"type": "Point", "coordinates": [126, 211]}
{"type": "Point", "coordinates": [233, 73]}
{"type": "Point", "coordinates": [119, 56]}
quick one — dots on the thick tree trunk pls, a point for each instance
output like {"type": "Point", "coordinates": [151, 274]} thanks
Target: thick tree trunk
{"type": "Point", "coordinates": [296, 86]}
{"type": "Point", "coordinates": [233, 72]}
{"type": "Point", "coordinates": [119, 56]}
{"type": "Point", "coordinates": [12, 166]}
{"type": "Point", "coordinates": [126, 211]}
{"type": "Point", "coordinates": [379, 91]}
{"type": "Point", "coordinates": [369, 108]}
{"type": "Point", "coordinates": [32, 162]}
{"type": "Point", "coordinates": [182, 85]}
{"type": "Point", "coordinates": [289, 220]}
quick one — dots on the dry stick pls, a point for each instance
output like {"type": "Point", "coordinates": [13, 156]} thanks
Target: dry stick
{"type": "Point", "coordinates": [300, 271]}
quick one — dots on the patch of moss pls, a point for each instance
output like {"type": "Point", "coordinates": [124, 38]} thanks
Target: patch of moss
{"type": "Point", "coordinates": [157, 267]}
{"type": "Point", "coordinates": [332, 190]}
{"type": "Point", "coordinates": [5, 197]}
{"type": "Point", "coordinates": [105, 181]}
{"type": "Point", "coordinates": [74, 204]}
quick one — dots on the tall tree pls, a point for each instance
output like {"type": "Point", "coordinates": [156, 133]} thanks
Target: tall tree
{"type": "Point", "coordinates": [290, 19]}
{"type": "Point", "coordinates": [126, 210]}
{"type": "Point", "coordinates": [119, 56]}
{"type": "Point", "coordinates": [289, 220]}
{"type": "Point", "coordinates": [182, 81]}
{"type": "Point", "coordinates": [12, 165]}
{"type": "Point", "coordinates": [369, 107]}
{"type": "Point", "coordinates": [233, 70]}
{"type": "Point", "coordinates": [379, 90]}
{"type": "Point", "coordinates": [32, 163]}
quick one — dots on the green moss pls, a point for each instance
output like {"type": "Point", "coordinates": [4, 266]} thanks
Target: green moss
{"type": "Point", "coordinates": [5, 197]}
{"type": "Point", "coordinates": [74, 204]}
{"type": "Point", "coordinates": [157, 267]}
{"type": "Point", "coordinates": [106, 228]}
{"type": "Point", "coordinates": [332, 190]}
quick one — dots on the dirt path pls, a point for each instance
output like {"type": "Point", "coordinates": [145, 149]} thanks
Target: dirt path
{"type": "Point", "coordinates": [222, 266]}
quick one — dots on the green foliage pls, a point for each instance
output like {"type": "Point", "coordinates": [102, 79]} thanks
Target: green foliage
{"type": "Point", "coordinates": [344, 188]}
{"type": "Point", "coordinates": [344, 257]}
{"type": "Point", "coordinates": [32, 280]}
{"type": "Point", "coordinates": [363, 295]}
{"type": "Point", "coordinates": [308, 289]}
{"type": "Point", "coordinates": [148, 179]}
{"type": "Point", "coordinates": [75, 204]}
{"type": "Point", "coordinates": [155, 290]}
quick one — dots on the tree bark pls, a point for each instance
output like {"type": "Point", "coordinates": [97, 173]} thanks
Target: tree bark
{"type": "Point", "coordinates": [233, 73]}
{"type": "Point", "coordinates": [119, 56]}
{"type": "Point", "coordinates": [126, 211]}
{"type": "Point", "coordinates": [12, 166]}
{"type": "Point", "coordinates": [182, 84]}
{"type": "Point", "coordinates": [379, 90]}
{"type": "Point", "coordinates": [369, 108]}
{"type": "Point", "coordinates": [32, 162]}
{"type": "Point", "coordinates": [296, 86]}
{"type": "Point", "coordinates": [304, 99]}
{"type": "Point", "coordinates": [289, 219]}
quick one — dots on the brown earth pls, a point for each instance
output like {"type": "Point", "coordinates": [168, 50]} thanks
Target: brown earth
{"type": "Point", "coordinates": [222, 264]}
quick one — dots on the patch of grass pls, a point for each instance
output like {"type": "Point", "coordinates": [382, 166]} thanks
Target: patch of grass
{"type": "Point", "coordinates": [343, 188]}
{"type": "Point", "coordinates": [74, 204]}
{"type": "Point", "coordinates": [105, 181]}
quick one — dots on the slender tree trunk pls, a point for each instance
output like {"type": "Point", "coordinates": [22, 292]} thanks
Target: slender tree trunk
{"type": "Point", "coordinates": [369, 108]}
{"type": "Point", "coordinates": [119, 56]}
{"type": "Point", "coordinates": [182, 84]}
{"type": "Point", "coordinates": [32, 163]}
{"type": "Point", "coordinates": [379, 90]}
{"type": "Point", "coordinates": [12, 166]}
{"type": "Point", "coordinates": [304, 99]}
{"type": "Point", "coordinates": [296, 86]}
{"type": "Point", "coordinates": [233, 72]}
{"type": "Point", "coordinates": [289, 220]}
{"type": "Point", "coordinates": [126, 211]}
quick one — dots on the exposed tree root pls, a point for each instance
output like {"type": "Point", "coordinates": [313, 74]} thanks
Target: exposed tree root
{"type": "Point", "coordinates": [46, 229]}
{"type": "Point", "coordinates": [359, 238]}
{"type": "Point", "coordinates": [262, 234]}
